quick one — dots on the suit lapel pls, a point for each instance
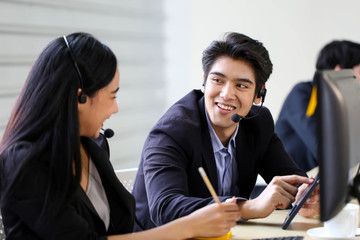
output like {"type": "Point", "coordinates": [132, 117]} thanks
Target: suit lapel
{"type": "Point", "coordinates": [107, 173]}
{"type": "Point", "coordinates": [119, 198]}
{"type": "Point", "coordinates": [208, 152]}
{"type": "Point", "coordinates": [85, 199]}
{"type": "Point", "coordinates": [90, 146]}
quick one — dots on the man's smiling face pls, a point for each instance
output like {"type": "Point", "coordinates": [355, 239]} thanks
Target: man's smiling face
{"type": "Point", "coordinates": [229, 89]}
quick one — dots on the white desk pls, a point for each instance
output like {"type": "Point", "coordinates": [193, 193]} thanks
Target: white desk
{"type": "Point", "coordinates": [271, 227]}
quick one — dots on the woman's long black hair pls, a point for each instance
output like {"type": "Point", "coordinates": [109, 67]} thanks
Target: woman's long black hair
{"type": "Point", "coordinates": [46, 112]}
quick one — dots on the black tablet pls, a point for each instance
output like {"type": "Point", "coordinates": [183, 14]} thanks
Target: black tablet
{"type": "Point", "coordinates": [300, 202]}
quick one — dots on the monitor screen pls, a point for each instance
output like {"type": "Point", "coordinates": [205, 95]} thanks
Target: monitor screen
{"type": "Point", "coordinates": [338, 121]}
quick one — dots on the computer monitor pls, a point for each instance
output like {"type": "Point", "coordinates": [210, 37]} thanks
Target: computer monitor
{"type": "Point", "coordinates": [338, 120]}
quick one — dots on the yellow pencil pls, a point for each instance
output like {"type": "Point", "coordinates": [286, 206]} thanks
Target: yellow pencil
{"type": "Point", "coordinates": [208, 184]}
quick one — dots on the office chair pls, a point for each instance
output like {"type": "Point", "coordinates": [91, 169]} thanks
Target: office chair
{"type": "Point", "coordinates": [127, 177]}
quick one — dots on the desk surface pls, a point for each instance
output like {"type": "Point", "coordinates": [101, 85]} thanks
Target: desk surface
{"type": "Point", "coordinates": [271, 227]}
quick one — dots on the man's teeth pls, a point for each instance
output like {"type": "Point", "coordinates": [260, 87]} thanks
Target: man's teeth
{"type": "Point", "coordinates": [225, 107]}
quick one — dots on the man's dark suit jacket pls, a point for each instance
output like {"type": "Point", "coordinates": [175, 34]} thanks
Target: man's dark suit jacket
{"type": "Point", "coordinates": [296, 130]}
{"type": "Point", "coordinates": [168, 184]}
{"type": "Point", "coordinates": [21, 210]}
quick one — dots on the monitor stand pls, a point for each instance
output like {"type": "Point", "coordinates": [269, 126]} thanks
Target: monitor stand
{"type": "Point", "coordinates": [332, 225]}
{"type": "Point", "coordinates": [343, 226]}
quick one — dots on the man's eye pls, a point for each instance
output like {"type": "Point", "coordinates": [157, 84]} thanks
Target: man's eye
{"type": "Point", "coordinates": [241, 86]}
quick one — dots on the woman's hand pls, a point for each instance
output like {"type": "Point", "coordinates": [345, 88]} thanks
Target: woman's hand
{"type": "Point", "coordinates": [211, 221]}
{"type": "Point", "coordinates": [214, 220]}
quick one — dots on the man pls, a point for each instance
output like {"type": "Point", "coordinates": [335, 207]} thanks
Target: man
{"type": "Point", "coordinates": [297, 130]}
{"type": "Point", "coordinates": [197, 131]}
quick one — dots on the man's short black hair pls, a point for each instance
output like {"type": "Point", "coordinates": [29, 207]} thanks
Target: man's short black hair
{"type": "Point", "coordinates": [344, 53]}
{"type": "Point", "coordinates": [239, 47]}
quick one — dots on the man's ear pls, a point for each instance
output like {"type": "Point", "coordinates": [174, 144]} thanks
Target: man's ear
{"type": "Point", "coordinates": [257, 100]}
{"type": "Point", "coordinates": [203, 84]}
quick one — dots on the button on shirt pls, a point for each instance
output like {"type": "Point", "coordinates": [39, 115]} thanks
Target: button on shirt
{"type": "Point", "coordinates": [225, 162]}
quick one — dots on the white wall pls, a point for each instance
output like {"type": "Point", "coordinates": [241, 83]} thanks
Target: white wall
{"type": "Point", "coordinates": [292, 31]}
{"type": "Point", "coordinates": [139, 30]}
{"type": "Point", "coordinates": [177, 49]}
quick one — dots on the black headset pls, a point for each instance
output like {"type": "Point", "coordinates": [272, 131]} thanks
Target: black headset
{"type": "Point", "coordinates": [82, 97]}
{"type": "Point", "coordinates": [262, 93]}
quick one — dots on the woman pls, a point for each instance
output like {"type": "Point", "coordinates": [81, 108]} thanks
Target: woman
{"type": "Point", "coordinates": [56, 178]}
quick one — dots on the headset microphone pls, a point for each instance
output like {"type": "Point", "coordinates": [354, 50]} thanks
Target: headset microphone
{"type": "Point", "coordinates": [108, 133]}
{"type": "Point", "coordinates": [236, 117]}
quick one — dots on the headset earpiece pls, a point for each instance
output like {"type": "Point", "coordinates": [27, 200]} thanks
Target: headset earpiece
{"type": "Point", "coordinates": [82, 98]}
{"type": "Point", "coordinates": [262, 93]}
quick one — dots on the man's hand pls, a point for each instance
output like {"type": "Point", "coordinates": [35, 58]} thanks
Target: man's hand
{"type": "Point", "coordinates": [311, 207]}
{"type": "Point", "coordinates": [279, 194]}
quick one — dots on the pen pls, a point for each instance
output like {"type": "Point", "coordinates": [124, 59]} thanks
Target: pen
{"type": "Point", "coordinates": [208, 184]}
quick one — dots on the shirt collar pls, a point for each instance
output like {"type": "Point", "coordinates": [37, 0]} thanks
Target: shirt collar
{"type": "Point", "coordinates": [217, 144]}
